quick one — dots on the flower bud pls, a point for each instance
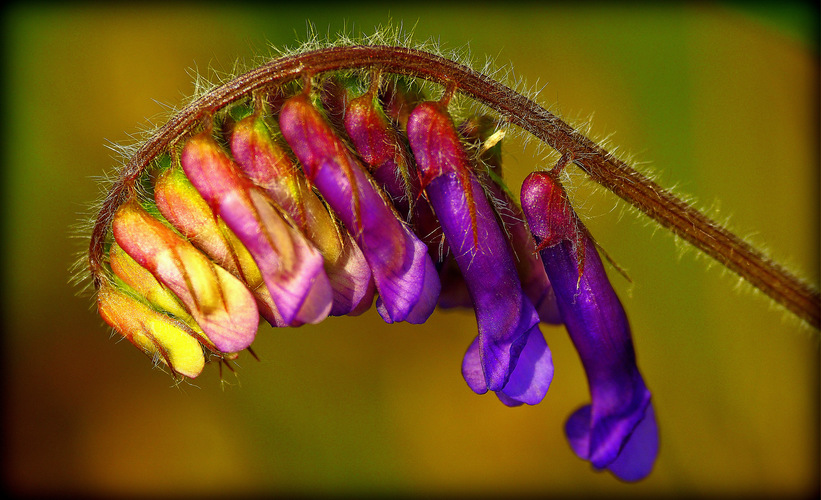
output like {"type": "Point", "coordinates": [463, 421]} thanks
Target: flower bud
{"type": "Point", "coordinates": [402, 270]}
{"type": "Point", "coordinates": [182, 206]}
{"type": "Point", "coordinates": [291, 267]}
{"type": "Point", "coordinates": [221, 305]}
{"type": "Point", "coordinates": [270, 168]}
{"type": "Point", "coordinates": [379, 145]}
{"type": "Point", "coordinates": [159, 336]}
{"type": "Point", "coordinates": [146, 285]}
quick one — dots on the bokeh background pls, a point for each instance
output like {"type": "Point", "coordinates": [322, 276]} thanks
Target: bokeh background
{"type": "Point", "coordinates": [720, 101]}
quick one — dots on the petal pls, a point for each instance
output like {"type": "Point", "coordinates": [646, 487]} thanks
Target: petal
{"type": "Point", "coordinates": [637, 457]}
{"type": "Point", "coordinates": [597, 325]}
{"type": "Point", "coordinates": [472, 370]}
{"type": "Point", "coordinates": [402, 270]}
{"type": "Point", "coordinates": [291, 267]}
{"type": "Point", "coordinates": [531, 378]}
{"type": "Point", "coordinates": [504, 315]}
{"type": "Point", "coordinates": [529, 381]}
{"type": "Point", "coordinates": [269, 167]}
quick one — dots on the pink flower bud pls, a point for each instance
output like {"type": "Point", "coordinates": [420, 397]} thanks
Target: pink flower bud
{"type": "Point", "coordinates": [182, 206]}
{"type": "Point", "coordinates": [270, 168]}
{"type": "Point", "coordinates": [220, 303]}
{"type": "Point", "coordinates": [291, 267]}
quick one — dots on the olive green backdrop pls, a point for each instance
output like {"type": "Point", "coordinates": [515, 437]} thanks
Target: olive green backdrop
{"type": "Point", "coordinates": [719, 102]}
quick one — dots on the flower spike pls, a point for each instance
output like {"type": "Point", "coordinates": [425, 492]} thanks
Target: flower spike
{"type": "Point", "coordinates": [509, 356]}
{"type": "Point", "coordinates": [618, 429]}
{"type": "Point", "coordinates": [403, 272]}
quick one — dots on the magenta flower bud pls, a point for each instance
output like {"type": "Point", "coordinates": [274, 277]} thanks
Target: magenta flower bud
{"type": "Point", "coordinates": [220, 303]}
{"type": "Point", "coordinates": [269, 167]}
{"type": "Point", "coordinates": [402, 270]}
{"type": "Point", "coordinates": [379, 145]}
{"type": "Point", "coordinates": [291, 267]}
{"type": "Point", "coordinates": [507, 321]}
{"type": "Point", "coordinates": [618, 429]}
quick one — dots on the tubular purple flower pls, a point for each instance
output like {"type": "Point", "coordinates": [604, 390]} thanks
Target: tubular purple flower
{"type": "Point", "coordinates": [404, 275]}
{"type": "Point", "coordinates": [618, 430]}
{"type": "Point", "coordinates": [509, 355]}
{"type": "Point", "coordinates": [291, 267]}
{"type": "Point", "coordinates": [531, 271]}
{"type": "Point", "coordinates": [270, 168]}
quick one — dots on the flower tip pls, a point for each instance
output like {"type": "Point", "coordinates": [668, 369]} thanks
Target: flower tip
{"type": "Point", "coordinates": [638, 447]}
{"type": "Point", "coordinates": [547, 209]}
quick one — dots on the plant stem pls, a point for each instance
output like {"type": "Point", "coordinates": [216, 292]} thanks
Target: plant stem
{"type": "Point", "coordinates": [658, 203]}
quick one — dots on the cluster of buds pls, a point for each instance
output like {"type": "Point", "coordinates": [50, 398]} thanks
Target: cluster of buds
{"type": "Point", "coordinates": [314, 204]}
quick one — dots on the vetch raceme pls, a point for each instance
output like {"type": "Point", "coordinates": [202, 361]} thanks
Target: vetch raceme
{"type": "Point", "coordinates": [329, 180]}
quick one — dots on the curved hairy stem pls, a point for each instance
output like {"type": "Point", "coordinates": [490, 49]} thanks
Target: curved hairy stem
{"type": "Point", "coordinates": [612, 173]}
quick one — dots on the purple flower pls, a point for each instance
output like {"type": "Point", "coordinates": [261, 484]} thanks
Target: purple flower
{"type": "Point", "coordinates": [535, 284]}
{"type": "Point", "coordinates": [509, 356]}
{"type": "Point", "coordinates": [618, 430]}
{"type": "Point", "coordinates": [403, 272]}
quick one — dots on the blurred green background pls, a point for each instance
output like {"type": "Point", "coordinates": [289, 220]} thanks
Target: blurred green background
{"type": "Point", "coordinates": [719, 101]}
